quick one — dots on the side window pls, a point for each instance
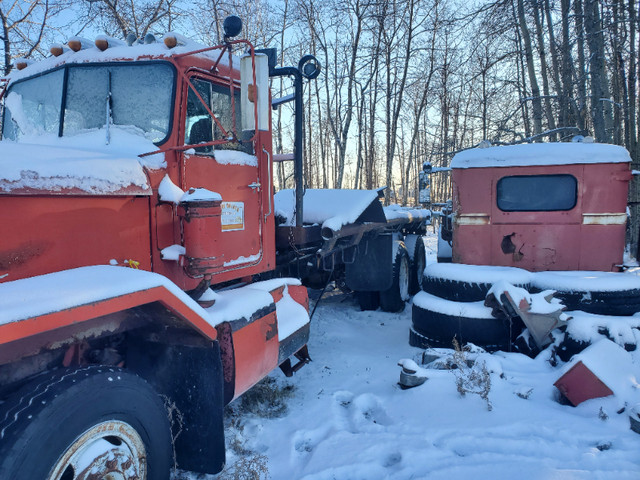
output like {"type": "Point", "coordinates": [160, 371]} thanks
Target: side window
{"type": "Point", "coordinates": [537, 193]}
{"type": "Point", "coordinates": [201, 128]}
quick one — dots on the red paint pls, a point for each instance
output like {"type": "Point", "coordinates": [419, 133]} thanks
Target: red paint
{"type": "Point", "coordinates": [557, 240]}
{"type": "Point", "coordinates": [51, 321]}
{"type": "Point", "coordinates": [580, 384]}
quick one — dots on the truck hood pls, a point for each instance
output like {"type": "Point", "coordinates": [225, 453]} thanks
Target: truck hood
{"type": "Point", "coordinates": [81, 164]}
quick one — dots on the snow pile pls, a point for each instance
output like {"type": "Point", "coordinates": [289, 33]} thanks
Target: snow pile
{"type": "Point", "coordinates": [200, 195]}
{"type": "Point", "coordinates": [232, 157]}
{"type": "Point", "coordinates": [453, 309]}
{"type": "Point", "coordinates": [330, 208]}
{"type": "Point", "coordinates": [477, 273]}
{"type": "Point", "coordinates": [169, 191]}
{"type": "Point", "coordinates": [35, 296]}
{"type": "Point", "coordinates": [541, 154]}
{"type": "Point", "coordinates": [590, 328]}
{"type": "Point", "coordinates": [81, 162]}
{"type": "Point", "coordinates": [348, 419]}
{"type": "Point", "coordinates": [587, 281]}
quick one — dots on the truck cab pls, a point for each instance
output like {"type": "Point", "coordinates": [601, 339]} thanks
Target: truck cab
{"type": "Point", "coordinates": [558, 206]}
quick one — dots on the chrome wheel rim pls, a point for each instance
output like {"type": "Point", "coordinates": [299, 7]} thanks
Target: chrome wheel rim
{"type": "Point", "coordinates": [110, 450]}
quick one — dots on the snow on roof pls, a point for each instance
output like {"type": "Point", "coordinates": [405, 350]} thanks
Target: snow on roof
{"type": "Point", "coordinates": [536, 154]}
{"type": "Point", "coordinates": [330, 208]}
{"type": "Point", "coordinates": [82, 162]}
{"type": "Point", "coordinates": [584, 281]}
{"type": "Point", "coordinates": [587, 327]}
{"type": "Point", "coordinates": [35, 296]}
{"type": "Point", "coordinates": [134, 52]}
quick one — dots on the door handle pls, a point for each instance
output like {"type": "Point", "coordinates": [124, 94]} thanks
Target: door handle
{"type": "Point", "coordinates": [254, 185]}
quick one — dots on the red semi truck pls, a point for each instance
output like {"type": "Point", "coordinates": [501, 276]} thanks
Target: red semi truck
{"type": "Point", "coordinates": [135, 180]}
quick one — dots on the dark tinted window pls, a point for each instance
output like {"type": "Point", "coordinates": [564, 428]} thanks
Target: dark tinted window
{"type": "Point", "coordinates": [537, 193]}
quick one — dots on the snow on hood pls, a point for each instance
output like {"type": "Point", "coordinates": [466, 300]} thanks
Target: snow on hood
{"type": "Point", "coordinates": [540, 154]}
{"type": "Point", "coordinates": [330, 208]}
{"type": "Point", "coordinates": [81, 162]}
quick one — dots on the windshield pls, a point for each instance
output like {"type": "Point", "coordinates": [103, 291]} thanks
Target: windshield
{"type": "Point", "coordinates": [137, 96]}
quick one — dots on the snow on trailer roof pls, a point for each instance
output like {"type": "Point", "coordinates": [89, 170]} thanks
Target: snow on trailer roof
{"type": "Point", "coordinates": [330, 208]}
{"type": "Point", "coordinates": [539, 154]}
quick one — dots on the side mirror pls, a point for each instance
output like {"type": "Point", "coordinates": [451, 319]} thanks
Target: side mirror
{"type": "Point", "coordinates": [309, 67]}
{"type": "Point", "coordinates": [254, 96]}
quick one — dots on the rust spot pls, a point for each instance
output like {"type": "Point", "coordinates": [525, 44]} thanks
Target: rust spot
{"type": "Point", "coordinates": [272, 330]}
{"type": "Point", "coordinates": [507, 244]}
{"type": "Point", "coordinates": [508, 247]}
{"type": "Point", "coordinates": [18, 256]}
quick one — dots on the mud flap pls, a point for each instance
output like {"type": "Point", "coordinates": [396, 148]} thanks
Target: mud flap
{"type": "Point", "coordinates": [372, 269]}
{"type": "Point", "coordinates": [190, 380]}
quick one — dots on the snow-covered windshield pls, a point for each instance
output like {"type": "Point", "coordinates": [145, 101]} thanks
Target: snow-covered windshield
{"type": "Point", "coordinates": [132, 95]}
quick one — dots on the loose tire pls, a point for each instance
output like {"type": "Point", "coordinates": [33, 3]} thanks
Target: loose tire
{"type": "Point", "coordinates": [602, 293]}
{"type": "Point", "coordinates": [469, 283]}
{"type": "Point", "coordinates": [392, 299]}
{"type": "Point", "coordinates": [418, 262]}
{"type": "Point", "coordinates": [69, 422]}
{"type": "Point", "coordinates": [435, 322]}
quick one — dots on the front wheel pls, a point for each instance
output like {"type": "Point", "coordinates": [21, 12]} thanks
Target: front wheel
{"type": "Point", "coordinates": [91, 422]}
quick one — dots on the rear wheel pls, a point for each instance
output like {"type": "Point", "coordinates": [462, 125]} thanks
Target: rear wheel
{"type": "Point", "coordinates": [92, 422]}
{"type": "Point", "coordinates": [392, 299]}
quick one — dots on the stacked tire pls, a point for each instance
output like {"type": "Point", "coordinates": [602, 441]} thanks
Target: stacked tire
{"type": "Point", "coordinates": [451, 305]}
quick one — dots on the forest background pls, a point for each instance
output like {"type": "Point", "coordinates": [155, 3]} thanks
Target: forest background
{"type": "Point", "coordinates": [404, 81]}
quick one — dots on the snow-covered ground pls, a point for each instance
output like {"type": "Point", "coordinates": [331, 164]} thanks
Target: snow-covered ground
{"type": "Point", "coordinates": [346, 417]}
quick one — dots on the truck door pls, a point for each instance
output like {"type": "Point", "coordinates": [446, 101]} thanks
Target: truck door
{"type": "Point", "coordinates": [228, 167]}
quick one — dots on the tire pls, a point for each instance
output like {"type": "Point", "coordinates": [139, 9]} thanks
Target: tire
{"type": "Point", "coordinates": [602, 293]}
{"type": "Point", "coordinates": [435, 322]}
{"type": "Point", "coordinates": [418, 263]}
{"type": "Point", "coordinates": [368, 300]}
{"type": "Point", "coordinates": [469, 283]}
{"type": "Point", "coordinates": [392, 299]}
{"type": "Point", "coordinates": [68, 419]}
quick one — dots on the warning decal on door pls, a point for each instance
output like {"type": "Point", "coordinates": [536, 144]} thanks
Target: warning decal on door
{"type": "Point", "coordinates": [232, 216]}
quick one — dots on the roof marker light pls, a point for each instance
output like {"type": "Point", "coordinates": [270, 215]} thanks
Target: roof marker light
{"type": "Point", "coordinates": [149, 38]}
{"type": "Point", "coordinates": [56, 49]}
{"type": "Point", "coordinates": [103, 42]}
{"type": "Point", "coordinates": [22, 63]}
{"type": "Point", "coordinates": [172, 40]}
{"type": "Point", "coordinates": [78, 43]}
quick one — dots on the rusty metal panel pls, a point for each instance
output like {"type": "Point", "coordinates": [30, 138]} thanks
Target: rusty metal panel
{"type": "Point", "coordinates": [580, 384]}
